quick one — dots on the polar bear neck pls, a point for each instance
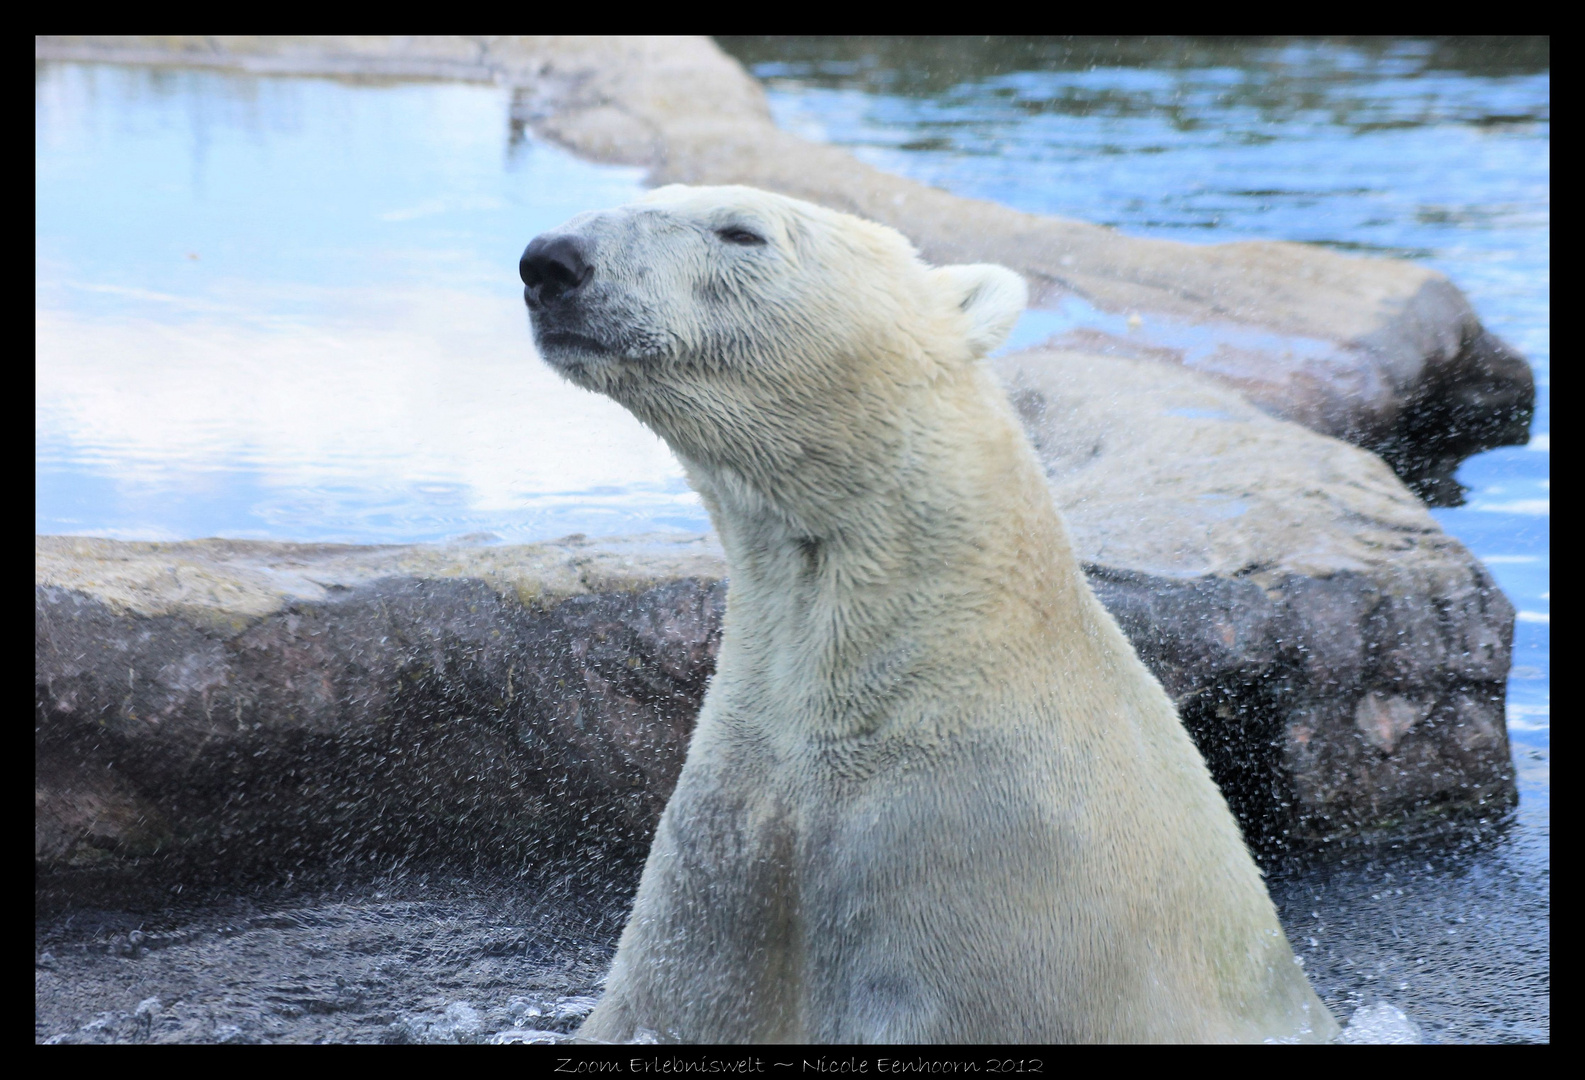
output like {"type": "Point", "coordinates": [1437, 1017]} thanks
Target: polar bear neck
{"type": "Point", "coordinates": [923, 555]}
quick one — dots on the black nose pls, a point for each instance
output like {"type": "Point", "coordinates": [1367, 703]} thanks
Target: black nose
{"type": "Point", "coordinates": [552, 267]}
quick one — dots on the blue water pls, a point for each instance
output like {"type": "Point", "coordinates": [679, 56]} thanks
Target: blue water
{"type": "Point", "coordinates": [1379, 150]}
{"type": "Point", "coordinates": [288, 308]}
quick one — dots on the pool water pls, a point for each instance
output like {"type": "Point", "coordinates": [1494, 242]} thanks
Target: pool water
{"type": "Point", "coordinates": [287, 308]}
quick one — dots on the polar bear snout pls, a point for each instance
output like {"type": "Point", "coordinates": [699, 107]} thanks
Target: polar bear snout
{"type": "Point", "coordinates": [557, 269]}
{"type": "Point", "coordinates": [553, 267]}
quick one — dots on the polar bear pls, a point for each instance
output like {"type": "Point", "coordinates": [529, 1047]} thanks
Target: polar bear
{"type": "Point", "coordinates": [933, 795]}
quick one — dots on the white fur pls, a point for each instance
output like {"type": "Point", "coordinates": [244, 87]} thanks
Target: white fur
{"type": "Point", "coordinates": [933, 795]}
{"type": "Point", "coordinates": [992, 296]}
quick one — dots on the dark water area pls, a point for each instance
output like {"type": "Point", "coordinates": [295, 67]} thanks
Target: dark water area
{"type": "Point", "coordinates": [1433, 150]}
{"type": "Point", "coordinates": [276, 308]}
{"type": "Point", "coordinates": [409, 958]}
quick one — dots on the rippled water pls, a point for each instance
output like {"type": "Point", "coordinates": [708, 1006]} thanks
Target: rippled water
{"type": "Point", "coordinates": [287, 308]}
{"type": "Point", "coordinates": [1433, 151]}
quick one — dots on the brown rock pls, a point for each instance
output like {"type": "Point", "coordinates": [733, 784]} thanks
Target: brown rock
{"type": "Point", "coordinates": [1385, 354]}
{"type": "Point", "coordinates": [215, 705]}
{"type": "Point", "coordinates": [1340, 660]}
{"type": "Point", "coordinates": [255, 706]}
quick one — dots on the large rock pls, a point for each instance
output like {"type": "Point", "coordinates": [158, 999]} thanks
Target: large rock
{"type": "Point", "coordinates": [1384, 354]}
{"type": "Point", "coordinates": [1340, 660]}
{"type": "Point", "coordinates": [222, 705]}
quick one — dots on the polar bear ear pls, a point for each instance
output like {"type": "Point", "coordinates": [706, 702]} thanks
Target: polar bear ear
{"type": "Point", "coordinates": [991, 296]}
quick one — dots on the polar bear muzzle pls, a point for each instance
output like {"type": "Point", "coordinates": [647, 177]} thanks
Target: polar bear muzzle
{"type": "Point", "coordinates": [552, 267]}
{"type": "Point", "coordinates": [556, 268]}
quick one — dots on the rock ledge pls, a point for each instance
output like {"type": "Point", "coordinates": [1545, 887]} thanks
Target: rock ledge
{"type": "Point", "coordinates": [212, 704]}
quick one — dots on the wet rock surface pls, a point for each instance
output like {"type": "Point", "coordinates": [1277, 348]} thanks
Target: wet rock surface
{"type": "Point", "coordinates": [1385, 354]}
{"type": "Point", "coordinates": [224, 708]}
{"type": "Point", "coordinates": [234, 710]}
{"type": "Point", "coordinates": [1339, 659]}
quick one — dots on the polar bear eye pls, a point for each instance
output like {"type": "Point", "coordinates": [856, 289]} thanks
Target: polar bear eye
{"type": "Point", "coordinates": [744, 237]}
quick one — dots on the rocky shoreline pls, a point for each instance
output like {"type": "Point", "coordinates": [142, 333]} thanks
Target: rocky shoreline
{"type": "Point", "coordinates": [1382, 353]}
{"type": "Point", "coordinates": [214, 705]}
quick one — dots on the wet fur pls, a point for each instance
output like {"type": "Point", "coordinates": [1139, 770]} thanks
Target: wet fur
{"type": "Point", "coordinates": [933, 795]}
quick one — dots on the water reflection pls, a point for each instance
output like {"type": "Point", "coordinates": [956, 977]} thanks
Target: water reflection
{"type": "Point", "coordinates": [287, 308]}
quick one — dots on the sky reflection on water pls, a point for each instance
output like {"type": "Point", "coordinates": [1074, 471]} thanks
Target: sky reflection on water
{"type": "Point", "coordinates": [288, 309]}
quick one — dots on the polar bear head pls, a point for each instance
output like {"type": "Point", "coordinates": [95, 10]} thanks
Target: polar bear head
{"type": "Point", "coordinates": [738, 323]}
